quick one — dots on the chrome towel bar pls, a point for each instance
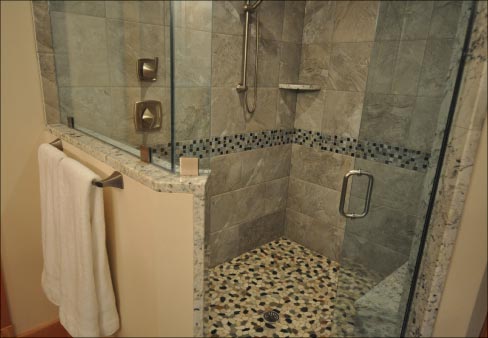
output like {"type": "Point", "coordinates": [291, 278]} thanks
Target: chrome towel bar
{"type": "Point", "coordinates": [116, 180]}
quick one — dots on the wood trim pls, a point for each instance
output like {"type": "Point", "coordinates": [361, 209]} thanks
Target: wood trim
{"type": "Point", "coordinates": [6, 327]}
{"type": "Point", "coordinates": [7, 331]}
{"type": "Point", "coordinates": [51, 329]}
{"type": "Point", "coordinates": [484, 329]}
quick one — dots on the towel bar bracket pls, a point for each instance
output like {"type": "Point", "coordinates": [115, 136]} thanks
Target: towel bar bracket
{"type": "Point", "coordinates": [115, 180]}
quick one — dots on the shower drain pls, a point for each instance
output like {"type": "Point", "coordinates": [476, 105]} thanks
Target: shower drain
{"type": "Point", "coordinates": [271, 316]}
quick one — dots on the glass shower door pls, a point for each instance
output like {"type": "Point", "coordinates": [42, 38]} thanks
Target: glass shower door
{"type": "Point", "coordinates": [406, 106]}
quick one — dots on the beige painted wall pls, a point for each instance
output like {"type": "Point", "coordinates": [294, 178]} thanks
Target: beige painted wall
{"type": "Point", "coordinates": [22, 125]}
{"type": "Point", "coordinates": [149, 233]}
{"type": "Point", "coordinates": [463, 286]}
{"type": "Point", "coordinates": [150, 239]}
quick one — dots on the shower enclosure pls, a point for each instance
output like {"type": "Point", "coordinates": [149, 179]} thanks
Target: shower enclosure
{"type": "Point", "coordinates": [319, 193]}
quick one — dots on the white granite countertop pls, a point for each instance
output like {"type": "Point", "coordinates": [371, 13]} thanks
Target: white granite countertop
{"type": "Point", "coordinates": [150, 175]}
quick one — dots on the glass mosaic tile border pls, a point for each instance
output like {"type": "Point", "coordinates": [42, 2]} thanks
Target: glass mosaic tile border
{"type": "Point", "coordinates": [369, 150]}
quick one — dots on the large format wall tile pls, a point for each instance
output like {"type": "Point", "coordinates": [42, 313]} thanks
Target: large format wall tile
{"type": "Point", "coordinates": [195, 15]}
{"type": "Point", "coordinates": [348, 68]}
{"type": "Point", "coordinates": [226, 60]}
{"type": "Point", "coordinates": [42, 22]}
{"type": "Point", "coordinates": [355, 21]}
{"type": "Point", "coordinates": [444, 19]}
{"type": "Point", "coordinates": [435, 69]}
{"type": "Point", "coordinates": [293, 21]}
{"type": "Point", "coordinates": [236, 207]}
{"type": "Point", "coordinates": [50, 88]}
{"type": "Point", "coordinates": [92, 8]}
{"type": "Point", "coordinates": [192, 57]}
{"type": "Point", "coordinates": [309, 110]}
{"type": "Point", "coordinates": [80, 45]}
{"type": "Point", "coordinates": [90, 107]}
{"type": "Point", "coordinates": [269, 63]}
{"type": "Point", "coordinates": [227, 112]}
{"type": "Point", "coordinates": [315, 201]}
{"type": "Point", "coordinates": [342, 113]}
{"type": "Point", "coordinates": [319, 236]}
{"type": "Point", "coordinates": [416, 21]}
{"type": "Point", "coordinates": [139, 11]}
{"type": "Point", "coordinates": [271, 14]}
{"type": "Point", "coordinates": [289, 62]}
{"type": "Point", "coordinates": [370, 255]}
{"type": "Point", "coordinates": [128, 42]}
{"type": "Point", "coordinates": [285, 110]}
{"type": "Point", "coordinates": [391, 228]}
{"type": "Point", "coordinates": [223, 245]}
{"type": "Point", "coordinates": [276, 195]}
{"type": "Point", "coordinates": [423, 123]}
{"type": "Point", "coordinates": [264, 117]}
{"type": "Point", "coordinates": [315, 63]}
{"type": "Point", "coordinates": [318, 23]}
{"type": "Point", "coordinates": [396, 188]}
{"type": "Point", "coordinates": [381, 72]}
{"type": "Point", "coordinates": [319, 167]}
{"type": "Point", "coordinates": [390, 20]}
{"type": "Point", "coordinates": [228, 17]}
{"type": "Point", "coordinates": [262, 165]}
{"type": "Point", "coordinates": [225, 174]}
{"type": "Point", "coordinates": [192, 113]}
{"type": "Point", "coordinates": [260, 231]}
{"type": "Point", "coordinates": [386, 118]}
{"type": "Point", "coordinates": [408, 66]}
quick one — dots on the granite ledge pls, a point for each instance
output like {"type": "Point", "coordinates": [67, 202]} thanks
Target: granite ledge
{"type": "Point", "coordinates": [150, 175]}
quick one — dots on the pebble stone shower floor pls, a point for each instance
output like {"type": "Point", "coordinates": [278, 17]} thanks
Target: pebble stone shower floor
{"type": "Point", "coordinates": [289, 279]}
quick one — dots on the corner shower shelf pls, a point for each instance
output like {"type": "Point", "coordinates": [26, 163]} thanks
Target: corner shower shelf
{"type": "Point", "coordinates": [299, 87]}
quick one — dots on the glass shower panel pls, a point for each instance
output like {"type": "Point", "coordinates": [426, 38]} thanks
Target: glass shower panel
{"type": "Point", "coordinates": [413, 66]}
{"type": "Point", "coordinates": [97, 45]}
{"type": "Point", "coordinates": [192, 61]}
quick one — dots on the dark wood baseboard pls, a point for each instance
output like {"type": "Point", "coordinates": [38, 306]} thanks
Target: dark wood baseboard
{"type": "Point", "coordinates": [484, 330]}
{"type": "Point", "coordinates": [52, 329]}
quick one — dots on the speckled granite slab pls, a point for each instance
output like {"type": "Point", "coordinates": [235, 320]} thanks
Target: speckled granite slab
{"type": "Point", "coordinates": [157, 179]}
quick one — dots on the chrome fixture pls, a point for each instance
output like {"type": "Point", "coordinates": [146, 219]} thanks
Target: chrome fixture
{"type": "Point", "coordinates": [147, 69]}
{"type": "Point", "coordinates": [115, 180]}
{"type": "Point", "coordinates": [242, 86]}
{"type": "Point", "coordinates": [344, 192]}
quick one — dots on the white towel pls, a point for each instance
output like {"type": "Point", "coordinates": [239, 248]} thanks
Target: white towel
{"type": "Point", "coordinates": [49, 160]}
{"type": "Point", "coordinates": [87, 302]}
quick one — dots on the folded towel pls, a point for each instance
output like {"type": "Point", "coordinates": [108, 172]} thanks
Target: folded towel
{"type": "Point", "coordinates": [87, 302]}
{"type": "Point", "coordinates": [49, 160]}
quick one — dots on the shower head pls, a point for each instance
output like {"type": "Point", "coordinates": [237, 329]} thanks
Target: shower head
{"type": "Point", "coordinates": [248, 7]}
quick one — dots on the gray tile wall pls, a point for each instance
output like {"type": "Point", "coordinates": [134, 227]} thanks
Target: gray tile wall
{"type": "Point", "coordinates": [95, 47]}
{"type": "Point", "coordinates": [338, 38]}
{"type": "Point", "coordinates": [385, 87]}
{"type": "Point", "coordinates": [247, 190]}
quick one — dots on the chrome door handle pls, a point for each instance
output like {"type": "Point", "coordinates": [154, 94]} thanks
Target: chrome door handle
{"type": "Point", "coordinates": [345, 181]}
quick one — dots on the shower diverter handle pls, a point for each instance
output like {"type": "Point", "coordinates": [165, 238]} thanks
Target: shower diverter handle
{"type": "Point", "coordinates": [369, 190]}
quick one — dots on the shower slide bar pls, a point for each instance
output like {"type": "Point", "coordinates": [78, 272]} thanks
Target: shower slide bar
{"type": "Point", "coordinates": [115, 180]}
{"type": "Point", "coordinates": [369, 190]}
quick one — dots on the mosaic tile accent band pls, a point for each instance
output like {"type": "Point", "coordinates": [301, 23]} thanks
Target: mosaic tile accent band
{"type": "Point", "coordinates": [368, 150]}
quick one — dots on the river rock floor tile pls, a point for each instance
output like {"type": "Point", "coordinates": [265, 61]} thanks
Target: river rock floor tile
{"type": "Point", "coordinates": [280, 276]}
{"type": "Point", "coordinates": [289, 279]}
